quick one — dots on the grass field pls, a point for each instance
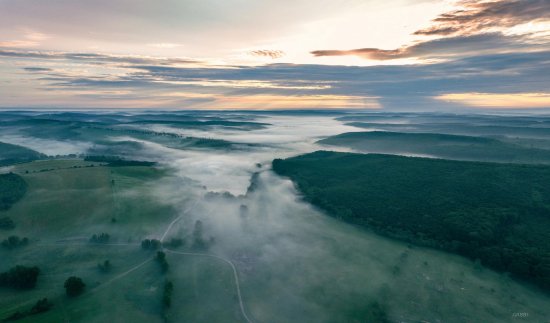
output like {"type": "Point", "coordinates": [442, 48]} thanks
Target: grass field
{"type": "Point", "coordinates": [67, 202]}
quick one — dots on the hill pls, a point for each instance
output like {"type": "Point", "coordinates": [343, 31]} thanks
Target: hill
{"type": "Point", "coordinates": [14, 154]}
{"type": "Point", "coordinates": [440, 145]}
{"type": "Point", "coordinates": [497, 213]}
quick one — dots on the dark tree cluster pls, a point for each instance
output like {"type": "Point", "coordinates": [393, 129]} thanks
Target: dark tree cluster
{"type": "Point", "coordinates": [74, 286]}
{"type": "Point", "coordinates": [446, 146]}
{"type": "Point", "coordinates": [161, 259]}
{"type": "Point", "coordinates": [20, 277]}
{"type": "Point", "coordinates": [14, 241]}
{"type": "Point", "coordinates": [41, 306]}
{"type": "Point", "coordinates": [101, 238]}
{"type": "Point", "coordinates": [15, 154]}
{"type": "Point", "coordinates": [114, 161]}
{"type": "Point", "coordinates": [6, 223]}
{"type": "Point", "coordinates": [497, 213]}
{"type": "Point", "coordinates": [105, 266]}
{"type": "Point", "coordinates": [12, 188]}
{"type": "Point", "coordinates": [151, 244]}
{"type": "Point", "coordinates": [167, 294]}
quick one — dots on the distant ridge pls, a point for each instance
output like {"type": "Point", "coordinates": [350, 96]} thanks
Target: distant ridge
{"type": "Point", "coordinates": [439, 145]}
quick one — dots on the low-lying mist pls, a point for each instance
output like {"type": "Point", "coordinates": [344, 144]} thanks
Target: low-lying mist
{"type": "Point", "coordinates": [294, 263]}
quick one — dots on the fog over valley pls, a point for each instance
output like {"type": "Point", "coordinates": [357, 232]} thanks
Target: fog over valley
{"type": "Point", "coordinates": [240, 243]}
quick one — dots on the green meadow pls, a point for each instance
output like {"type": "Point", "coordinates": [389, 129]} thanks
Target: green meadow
{"type": "Point", "coordinates": [66, 203]}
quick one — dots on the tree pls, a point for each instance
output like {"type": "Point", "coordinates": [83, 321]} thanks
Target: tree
{"type": "Point", "coordinates": [167, 295]}
{"type": "Point", "coordinates": [14, 242]}
{"type": "Point", "coordinates": [105, 266]}
{"type": "Point", "coordinates": [42, 305]}
{"type": "Point", "coordinates": [146, 244]}
{"type": "Point", "coordinates": [74, 286]}
{"type": "Point", "coordinates": [101, 238]}
{"type": "Point", "coordinates": [152, 244]}
{"type": "Point", "coordinates": [161, 259]}
{"type": "Point", "coordinates": [20, 277]}
{"type": "Point", "coordinates": [6, 223]}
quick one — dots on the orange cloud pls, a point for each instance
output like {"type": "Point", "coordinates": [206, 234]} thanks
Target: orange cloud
{"type": "Point", "coordinates": [29, 38]}
{"type": "Point", "coordinates": [475, 27]}
{"type": "Point", "coordinates": [370, 53]}
{"type": "Point", "coordinates": [499, 100]}
{"type": "Point", "coordinates": [261, 102]}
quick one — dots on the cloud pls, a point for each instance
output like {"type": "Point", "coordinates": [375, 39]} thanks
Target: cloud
{"type": "Point", "coordinates": [371, 53]}
{"type": "Point", "coordinates": [27, 38]}
{"type": "Point", "coordinates": [196, 86]}
{"type": "Point", "coordinates": [478, 27]}
{"type": "Point", "coordinates": [499, 100]}
{"type": "Point", "coordinates": [267, 53]}
{"type": "Point", "coordinates": [37, 69]}
{"type": "Point", "coordinates": [146, 27]}
{"type": "Point", "coordinates": [476, 16]}
{"type": "Point", "coordinates": [94, 58]}
{"type": "Point", "coordinates": [442, 48]}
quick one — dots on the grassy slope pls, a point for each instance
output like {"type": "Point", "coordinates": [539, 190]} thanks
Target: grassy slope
{"type": "Point", "coordinates": [13, 154]}
{"type": "Point", "coordinates": [66, 202]}
{"type": "Point", "coordinates": [439, 145]}
{"type": "Point", "coordinates": [498, 213]}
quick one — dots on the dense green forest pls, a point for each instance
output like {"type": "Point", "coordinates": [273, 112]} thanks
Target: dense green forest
{"type": "Point", "coordinates": [440, 145]}
{"type": "Point", "coordinates": [13, 154]}
{"type": "Point", "coordinates": [12, 189]}
{"type": "Point", "coordinates": [497, 213]}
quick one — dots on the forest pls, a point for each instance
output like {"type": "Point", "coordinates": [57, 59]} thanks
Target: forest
{"type": "Point", "coordinates": [498, 214]}
{"type": "Point", "coordinates": [439, 145]}
{"type": "Point", "coordinates": [14, 154]}
{"type": "Point", "coordinates": [12, 189]}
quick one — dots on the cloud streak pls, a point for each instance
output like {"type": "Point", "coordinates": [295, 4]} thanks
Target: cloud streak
{"type": "Point", "coordinates": [441, 48]}
{"type": "Point", "coordinates": [477, 28]}
{"type": "Point", "coordinates": [94, 58]}
{"type": "Point", "coordinates": [479, 16]}
{"type": "Point", "coordinates": [419, 86]}
{"type": "Point", "coordinates": [273, 54]}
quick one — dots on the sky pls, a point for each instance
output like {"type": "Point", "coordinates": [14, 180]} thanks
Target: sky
{"type": "Point", "coordinates": [395, 55]}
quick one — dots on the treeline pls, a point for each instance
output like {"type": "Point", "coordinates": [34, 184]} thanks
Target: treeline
{"type": "Point", "coordinates": [20, 277]}
{"type": "Point", "coordinates": [6, 223]}
{"type": "Point", "coordinates": [117, 161]}
{"type": "Point", "coordinates": [186, 140]}
{"type": "Point", "coordinates": [100, 238]}
{"type": "Point", "coordinates": [12, 188]}
{"type": "Point", "coordinates": [42, 305]}
{"type": "Point", "coordinates": [14, 154]}
{"type": "Point", "coordinates": [13, 242]}
{"type": "Point", "coordinates": [497, 213]}
{"type": "Point", "coordinates": [440, 145]}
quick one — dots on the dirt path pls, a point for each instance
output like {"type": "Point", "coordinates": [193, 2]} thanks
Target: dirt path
{"type": "Point", "coordinates": [227, 261]}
